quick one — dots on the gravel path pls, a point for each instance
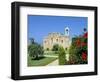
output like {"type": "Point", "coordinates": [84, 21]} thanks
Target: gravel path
{"type": "Point", "coordinates": [51, 56]}
{"type": "Point", "coordinates": [54, 63]}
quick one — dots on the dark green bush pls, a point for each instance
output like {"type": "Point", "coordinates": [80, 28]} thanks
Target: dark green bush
{"type": "Point", "coordinates": [35, 51]}
{"type": "Point", "coordinates": [55, 47]}
{"type": "Point", "coordinates": [62, 56]}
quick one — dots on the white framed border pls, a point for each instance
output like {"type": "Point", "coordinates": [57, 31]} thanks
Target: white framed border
{"type": "Point", "coordinates": [25, 71]}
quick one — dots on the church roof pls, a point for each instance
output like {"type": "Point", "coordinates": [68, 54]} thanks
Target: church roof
{"type": "Point", "coordinates": [55, 34]}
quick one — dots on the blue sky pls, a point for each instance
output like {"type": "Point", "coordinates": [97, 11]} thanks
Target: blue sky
{"type": "Point", "coordinates": [39, 26]}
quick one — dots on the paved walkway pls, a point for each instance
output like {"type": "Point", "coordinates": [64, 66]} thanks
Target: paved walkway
{"type": "Point", "coordinates": [51, 56]}
{"type": "Point", "coordinates": [54, 63]}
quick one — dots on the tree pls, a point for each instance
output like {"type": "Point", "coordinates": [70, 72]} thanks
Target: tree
{"type": "Point", "coordinates": [32, 40]}
{"type": "Point", "coordinates": [66, 48]}
{"type": "Point", "coordinates": [47, 49]}
{"type": "Point", "coordinates": [55, 47]}
{"type": "Point", "coordinates": [62, 56]}
{"type": "Point", "coordinates": [74, 54]}
{"type": "Point", "coordinates": [35, 51]}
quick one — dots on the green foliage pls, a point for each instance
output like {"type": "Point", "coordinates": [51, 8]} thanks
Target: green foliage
{"type": "Point", "coordinates": [62, 56]}
{"type": "Point", "coordinates": [29, 47]}
{"type": "Point", "coordinates": [78, 50]}
{"type": "Point", "coordinates": [66, 49]}
{"type": "Point", "coordinates": [35, 51]}
{"type": "Point", "coordinates": [32, 40]}
{"type": "Point", "coordinates": [47, 49]}
{"type": "Point", "coordinates": [55, 47]}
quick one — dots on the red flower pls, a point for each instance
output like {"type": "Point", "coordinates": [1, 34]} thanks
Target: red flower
{"type": "Point", "coordinates": [85, 35]}
{"type": "Point", "coordinates": [78, 42]}
{"type": "Point", "coordinates": [84, 56]}
{"type": "Point", "coordinates": [83, 44]}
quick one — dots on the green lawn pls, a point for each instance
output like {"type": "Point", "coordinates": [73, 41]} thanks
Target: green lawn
{"type": "Point", "coordinates": [50, 53]}
{"type": "Point", "coordinates": [41, 62]}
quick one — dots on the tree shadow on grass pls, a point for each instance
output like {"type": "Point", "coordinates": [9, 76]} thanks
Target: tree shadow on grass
{"type": "Point", "coordinates": [39, 58]}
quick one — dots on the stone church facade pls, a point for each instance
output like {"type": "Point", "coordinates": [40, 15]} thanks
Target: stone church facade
{"type": "Point", "coordinates": [57, 38]}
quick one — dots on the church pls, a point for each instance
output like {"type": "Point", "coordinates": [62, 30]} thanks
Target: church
{"type": "Point", "coordinates": [57, 38]}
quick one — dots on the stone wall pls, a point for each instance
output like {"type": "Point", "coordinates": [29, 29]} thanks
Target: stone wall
{"type": "Point", "coordinates": [56, 38]}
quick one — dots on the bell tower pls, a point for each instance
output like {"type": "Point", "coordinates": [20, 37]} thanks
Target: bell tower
{"type": "Point", "coordinates": [66, 31]}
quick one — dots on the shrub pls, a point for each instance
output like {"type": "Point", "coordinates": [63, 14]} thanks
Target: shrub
{"type": "Point", "coordinates": [66, 49]}
{"type": "Point", "coordinates": [62, 56]}
{"type": "Point", "coordinates": [35, 51]}
{"type": "Point", "coordinates": [55, 47]}
{"type": "Point", "coordinates": [78, 50]}
{"type": "Point", "coordinates": [47, 49]}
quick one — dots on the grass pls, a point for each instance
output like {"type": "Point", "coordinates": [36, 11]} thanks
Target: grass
{"type": "Point", "coordinates": [53, 53]}
{"type": "Point", "coordinates": [41, 62]}
{"type": "Point", "coordinates": [50, 53]}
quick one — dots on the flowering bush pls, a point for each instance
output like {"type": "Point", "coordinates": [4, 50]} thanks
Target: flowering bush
{"type": "Point", "coordinates": [78, 50]}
